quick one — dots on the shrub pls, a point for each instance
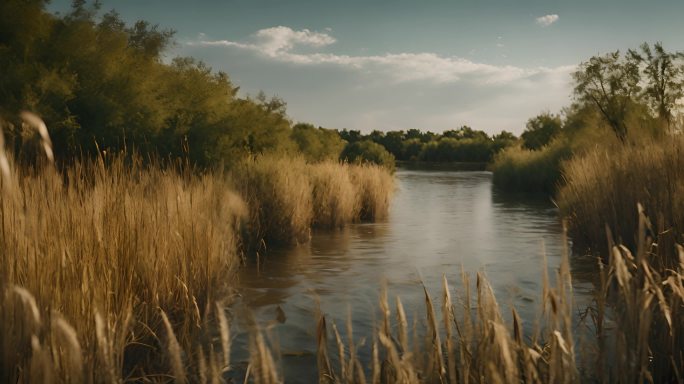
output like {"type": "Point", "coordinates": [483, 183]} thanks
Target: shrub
{"type": "Point", "coordinates": [367, 151]}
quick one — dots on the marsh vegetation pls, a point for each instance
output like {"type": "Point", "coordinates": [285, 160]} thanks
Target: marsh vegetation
{"type": "Point", "coordinates": [125, 227]}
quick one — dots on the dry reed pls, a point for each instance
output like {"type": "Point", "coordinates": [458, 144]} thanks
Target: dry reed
{"type": "Point", "coordinates": [603, 188]}
{"type": "Point", "coordinates": [90, 255]}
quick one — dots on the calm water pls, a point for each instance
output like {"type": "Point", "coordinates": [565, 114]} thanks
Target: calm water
{"type": "Point", "coordinates": [440, 222]}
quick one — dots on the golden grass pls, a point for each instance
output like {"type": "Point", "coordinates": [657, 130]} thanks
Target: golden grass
{"type": "Point", "coordinates": [375, 187]}
{"type": "Point", "coordinates": [334, 196]}
{"type": "Point", "coordinates": [278, 193]}
{"type": "Point", "coordinates": [287, 197]}
{"type": "Point", "coordinates": [603, 187]}
{"type": "Point", "coordinates": [637, 320]}
{"type": "Point", "coordinates": [113, 270]}
{"type": "Point", "coordinates": [95, 259]}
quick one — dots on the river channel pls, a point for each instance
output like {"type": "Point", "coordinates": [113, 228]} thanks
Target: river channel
{"type": "Point", "coordinates": [439, 222]}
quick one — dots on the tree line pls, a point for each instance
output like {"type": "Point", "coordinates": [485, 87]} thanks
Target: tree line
{"type": "Point", "coordinates": [103, 85]}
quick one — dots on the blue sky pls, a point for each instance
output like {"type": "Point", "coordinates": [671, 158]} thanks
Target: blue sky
{"type": "Point", "coordinates": [389, 65]}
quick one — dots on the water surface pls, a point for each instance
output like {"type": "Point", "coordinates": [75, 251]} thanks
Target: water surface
{"type": "Point", "coordinates": [440, 222]}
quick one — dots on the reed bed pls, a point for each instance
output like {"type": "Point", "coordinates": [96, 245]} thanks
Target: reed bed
{"type": "Point", "coordinates": [603, 188]}
{"type": "Point", "coordinates": [634, 333]}
{"type": "Point", "coordinates": [334, 197]}
{"type": "Point", "coordinates": [522, 170]}
{"type": "Point", "coordinates": [115, 269]}
{"type": "Point", "coordinates": [110, 270]}
{"type": "Point", "coordinates": [468, 343]}
{"type": "Point", "coordinates": [278, 193]}
{"type": "Point", "coordinates": [375, 187]}
{"type": "Point", "coordinates": [287, 197]}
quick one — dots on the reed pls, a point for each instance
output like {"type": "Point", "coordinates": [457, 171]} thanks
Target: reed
{"type": "Point", "coordinates": [375, 187]}
{"type": "Point", "coordinates": [638, 331]}
{"type": "Point", "coordinates": [522, 170]}
{"type": "Point", "coordinates": [287, 197]}
{"type": "Point", "coordinates": [334, 197]}
{"type": "Point", "coordinates": [603, 188]}
{"type": "Point", "coordinates": [91, 255]}
{"type": "Point", "coordinates": [278, 194]}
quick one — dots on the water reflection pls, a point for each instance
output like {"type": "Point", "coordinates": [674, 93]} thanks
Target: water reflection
{"type": "Point", "coordinates": [440, 222]}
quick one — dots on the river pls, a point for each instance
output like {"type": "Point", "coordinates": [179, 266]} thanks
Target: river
{"type": "Point", "coordinates": [439, 222]}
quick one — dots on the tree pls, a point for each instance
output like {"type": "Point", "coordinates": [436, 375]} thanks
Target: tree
{"type": "Point", "coordinates": [540, 130]}
{"type": "Point", "coordinates": [350, 136]}
{"type": "Point", "coordinates": [610, 83]}
{"type": "Point", "coordinates": [664, 83]}
{"type": "Point", "coordinates": [366, 151]}
{"type": "Point", "coordinates": [317, 144]}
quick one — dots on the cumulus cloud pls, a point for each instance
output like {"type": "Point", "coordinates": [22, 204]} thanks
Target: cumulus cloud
{"type": "Point", "coordinates": [281, 43]}
{"type": "Point", "coordinates": [547, 20]}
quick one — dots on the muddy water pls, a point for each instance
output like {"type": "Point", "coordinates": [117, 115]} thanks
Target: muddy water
{"type": "Point", "coordinates": [440, 222]}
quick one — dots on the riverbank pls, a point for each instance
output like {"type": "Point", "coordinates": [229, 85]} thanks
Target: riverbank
{"type": "Point", "coordinates": [114, 269]}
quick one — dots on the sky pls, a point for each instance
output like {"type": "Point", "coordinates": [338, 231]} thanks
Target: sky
{"type": "Point", "coordinates": [391, 65]}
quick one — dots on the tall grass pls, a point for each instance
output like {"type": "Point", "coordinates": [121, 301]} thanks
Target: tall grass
{"type": "Point", "coordinates": [636, 332]}
{"type": "Point", "coordinates": [115, 270]}
{"type": "Point", "coordinates": [374, 186]}
{"type": "Point", "coordinates": [335, 198]}
{"type": "Point", "coordinates": [278, 193]}
{"type": "Point", "coordinates": [108, 267]}
{"type": "Point", "coordinates": [468, 343]}
{"type": "Point", "coordinates": [603, 188]}
{"type": "Point", "coordinates": [287, 197]}
{"type": "Point", "coordinates": [518, 169]}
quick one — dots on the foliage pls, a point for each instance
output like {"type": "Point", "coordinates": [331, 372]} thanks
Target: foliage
{"type": "Point", "coordinates": [664, 78]}
{"type": "Point", "coordinates": [540, 130]}
{"type": "Point", "coordinates": [366, 151]}
{"type": "Point", "coordinates": [461, 145]}
{"type": "Point", "coordinates": [614, 83]}
{"type": "Point", "coordinates": [523, 170]}
{"type": "Point", "coordinates": [609, 82]}
{"type": "Point", "coordinates": [103, 85]}
{"type": "Point", "coordinates": [317, 144]}
{"type": "Point", "coordinates": [457, 150]}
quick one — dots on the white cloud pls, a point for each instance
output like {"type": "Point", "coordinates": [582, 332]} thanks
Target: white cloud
{"type": "Point", "coordinates": [283, 39]}
{"type": "Point", "coordinates": [547, 20]}
{"type": "Point", "coordinates": [280, 43]}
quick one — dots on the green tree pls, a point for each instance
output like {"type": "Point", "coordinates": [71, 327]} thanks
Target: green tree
{"type": "Point", "coordinates": [664, 77]}
{"type": "Point", "coordinates": [317, 144]}
{"type": "Point", "coordinates": [366, 151]}
{"type": "Point", "coordinates": [610, 83]}
{"type": "Point", "coordinates": [350, 136]}
{"type": "Point", "coordinates": [540, 130]}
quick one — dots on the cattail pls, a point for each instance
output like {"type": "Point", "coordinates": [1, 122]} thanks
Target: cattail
{"type": "Point", "coordinates": [36, 122]}
{"type": "Point", "coordinates": [174, 351]}
{"type": "Point", "coordinates": [4, 163]}
{"type": "Point", "coordinates": [30, 301]}
{"type": "Point", "coordinates": [224, 330]}
{"type": "Point", "coordinates": [68, 334]}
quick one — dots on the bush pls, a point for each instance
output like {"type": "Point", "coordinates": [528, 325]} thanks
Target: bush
{"type": "Point", "coordinates": [457, 150]}
{"type": "Point", "coordinates": [368, 152]}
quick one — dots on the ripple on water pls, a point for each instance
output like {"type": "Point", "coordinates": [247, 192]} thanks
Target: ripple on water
{"type": "Point", "coordinates": [440, 222]}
